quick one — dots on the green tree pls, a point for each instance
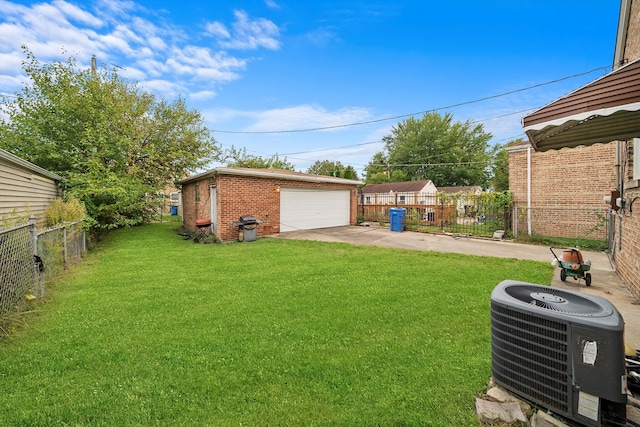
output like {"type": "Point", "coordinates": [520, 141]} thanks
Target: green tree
{"type": "Point", "coordinates": [436, 148]}
{"type": "Point", "coordinates": [500, 166]}
{"type": "Point", "coordinates": [331, 168]}
{"type": "Point", "coordinates": [115, 145]}
{"type": "Point", "coordinates": [377, 170]}
{"type": "Point", "coordinates": [240, 159]}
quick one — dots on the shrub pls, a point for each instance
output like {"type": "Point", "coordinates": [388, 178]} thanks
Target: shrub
{"type": "Point", "coordinates": [61, 211]}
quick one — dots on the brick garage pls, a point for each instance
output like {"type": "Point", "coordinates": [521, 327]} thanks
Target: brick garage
{"type": "Point", "coordinates": [222, 195]}
{"type": "Point", "coordinates": [567, 187]}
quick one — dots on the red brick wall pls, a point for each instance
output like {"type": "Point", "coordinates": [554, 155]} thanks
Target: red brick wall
{"type": "Point", "coordinates": [240, 195]}
{"type": "Point", "coordinates": [628, 256]}
{"type": "Point", "coordinates": [567, 187]}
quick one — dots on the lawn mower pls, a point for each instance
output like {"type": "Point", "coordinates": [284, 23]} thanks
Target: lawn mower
{"type": "Point", "coordinates": [572, 265]}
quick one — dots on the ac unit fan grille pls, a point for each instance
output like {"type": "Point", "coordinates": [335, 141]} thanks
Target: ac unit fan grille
{"type": "Point", "coordinates": [530, 356]}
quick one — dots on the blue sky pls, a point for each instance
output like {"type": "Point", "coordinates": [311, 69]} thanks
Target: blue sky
{"type": "Point", "coordinates": [262, 70]}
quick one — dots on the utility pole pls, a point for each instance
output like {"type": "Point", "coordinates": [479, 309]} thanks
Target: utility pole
{"type": "Point", "coordinates": [93, 65]}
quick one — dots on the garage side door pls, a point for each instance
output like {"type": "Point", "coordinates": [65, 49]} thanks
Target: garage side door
{"type": "Point", "coordinates": [306, 209]}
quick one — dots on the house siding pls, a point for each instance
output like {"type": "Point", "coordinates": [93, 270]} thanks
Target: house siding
{"type": "Point", "coordinates": [244, 195]}
{"type": "Point", "coordinates": [567, 187]}
{"type": "Point", "coordinates": [24, 192]}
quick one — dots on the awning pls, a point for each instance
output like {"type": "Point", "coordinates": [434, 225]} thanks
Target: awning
{"type": "Point", "coordinates": [604, 110]}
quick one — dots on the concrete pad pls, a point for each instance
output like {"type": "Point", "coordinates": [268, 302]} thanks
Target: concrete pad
{"type": "Point", "coordinates": [605, 281]}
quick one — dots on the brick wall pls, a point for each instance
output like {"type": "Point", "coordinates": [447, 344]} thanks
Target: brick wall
{"type": "Point", "coordinates": [632, 48]}
{"type": "Point", "coordinates": [240, 195]}
{"type": "Point", "coordinates": [628, 256]}
{"type": "Point", "coordinates": [567, 187]}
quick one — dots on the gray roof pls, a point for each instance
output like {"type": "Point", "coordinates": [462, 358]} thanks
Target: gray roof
{"type": "Point", "coordinates": [270, 173]}
{"type": "Point", "coordinates": [28, 165]}
{"type": "Point", "coordinates": [460, 189]}
{"type": "Point", "coordinates": [396, 187]}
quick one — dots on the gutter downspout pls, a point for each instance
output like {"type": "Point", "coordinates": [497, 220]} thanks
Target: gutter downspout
{"type": "Point", "coordinates": [529, 190]}
{"type": "Point", "coordinates": [621, 35]}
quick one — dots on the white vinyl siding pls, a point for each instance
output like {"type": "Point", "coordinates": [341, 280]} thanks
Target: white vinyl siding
{"type": "Point", "coordinates": [307, 209]}
{"type": "Point", "coordinates": [24, 192]}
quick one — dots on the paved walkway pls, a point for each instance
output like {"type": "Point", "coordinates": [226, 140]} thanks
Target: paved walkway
{"type": "Point", "coordinates": [605, 283]}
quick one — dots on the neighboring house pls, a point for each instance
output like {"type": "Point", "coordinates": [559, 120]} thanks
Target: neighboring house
{"type": "Point", "coordinates": [418, 196]}
{"type": "Point", "coordinates": [466, 202]}
{"type": "Point", "coordinates": [472, 190]}
{"type": "Point", "coordinates": [605, 112]}
{"type": "Point", "coordinates": [280, 200]}
{"type": "Point", "coordinates": [399, 193]}
{"type": "Point", "coordinates": [25, 189]}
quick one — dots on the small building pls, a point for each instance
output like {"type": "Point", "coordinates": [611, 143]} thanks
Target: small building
{"type": "Point", "coordinates": [400, 193]}
{"type": "Point", "coordinates": [466, 202]}
{"type": "Point", "coordinates": [280, 200]}
{"type": "Point", "coordinates": [25, 189]}
{"type": "Point", "coordinates": [471, 190]}
{"type": "Point", "coordinates": [419, 197]}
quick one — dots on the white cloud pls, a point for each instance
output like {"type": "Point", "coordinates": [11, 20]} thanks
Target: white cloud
{"type": "Point", "coordinates": [322, 36]}
{"type": "Point", "coordinates": [119, 34]}
{"type": "Point", "coordinates": [77, 14]}
{"type": "Point", "coordinates": [306, 117]}
{"type": "Point", "coordinates": [202, 95]}
{"type": "Point", "coordinates": [217, 29]}
{"type": "Point", "coordinates": [246, 34]}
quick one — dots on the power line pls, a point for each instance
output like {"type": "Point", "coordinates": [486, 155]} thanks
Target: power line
{"type": "Point", "coordinates": [486, 98]}
{"type": "Point", "coordinates": [331, 149]}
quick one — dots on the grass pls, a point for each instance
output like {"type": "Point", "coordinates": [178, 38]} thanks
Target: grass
{"type": "Point", "coordinates": [562, 242]}
{"type": "Point", "coordinates": [153, 330]}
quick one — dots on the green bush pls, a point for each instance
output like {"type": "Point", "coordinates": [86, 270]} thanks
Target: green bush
{"type": "Point", "coordinates": [61, 211]}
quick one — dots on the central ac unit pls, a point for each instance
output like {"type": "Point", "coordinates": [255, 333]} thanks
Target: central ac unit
{"type": "Point", "coordinates": [561, 350]}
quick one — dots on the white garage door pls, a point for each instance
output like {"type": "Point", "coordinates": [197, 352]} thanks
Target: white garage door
{"type": "Point", "coordinates": [306, 209]}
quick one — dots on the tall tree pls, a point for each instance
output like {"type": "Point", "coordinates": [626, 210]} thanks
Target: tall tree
{"type": "Point", "coordinates": [239, 158]}
{"type": "Point", "coordinates": [377, 170]}
{"type": "Point", "coordinates": [436, 148]}
{"type": "Point", "coordinates": [500, 166]}
{"type": "Point", "coordinates": [114, 144]}
{"type": "Point", "coordinates": [332, 168]}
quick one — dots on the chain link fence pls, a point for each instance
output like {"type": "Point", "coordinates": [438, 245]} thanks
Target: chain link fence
{"type": "Point", "coordinates": [18, 276]}
{"type": "Point", "coordinates": [29, 258]}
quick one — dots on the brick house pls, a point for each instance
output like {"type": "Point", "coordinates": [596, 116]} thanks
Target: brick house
{"type": "Point", "coordinates": [604, 117]}
{"type": "Point", "coordinates": [559, 192]}
{"type": "Point", "coordinates": [281, 200]}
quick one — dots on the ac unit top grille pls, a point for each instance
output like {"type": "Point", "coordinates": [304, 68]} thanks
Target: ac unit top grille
{"type": "Point", "coordinates": [557, 300]}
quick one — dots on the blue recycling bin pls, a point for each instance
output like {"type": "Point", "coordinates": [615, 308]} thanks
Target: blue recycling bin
{"type": "Point", "coordinates": [397, 218]}
{"type": "Point", "coordinates": [174, 210]}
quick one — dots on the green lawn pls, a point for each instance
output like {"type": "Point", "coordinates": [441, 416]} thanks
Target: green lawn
{"type": "Point", "coordinates": [154, 330]}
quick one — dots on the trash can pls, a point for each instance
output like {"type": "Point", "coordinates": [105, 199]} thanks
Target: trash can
{"type": "Point", "coordinates": [248, 228]}
{"type": "Point", "coordinates": [174, 210]}
{"type": "Point", "coordinates": [397, 218]}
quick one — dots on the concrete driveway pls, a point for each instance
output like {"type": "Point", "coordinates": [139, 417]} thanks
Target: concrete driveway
{"type": "Point", "coordinates": [606, 282]}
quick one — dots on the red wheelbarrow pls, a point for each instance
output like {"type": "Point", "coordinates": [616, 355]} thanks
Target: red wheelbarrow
{"type": "Point", "coordinates": [572, 265]}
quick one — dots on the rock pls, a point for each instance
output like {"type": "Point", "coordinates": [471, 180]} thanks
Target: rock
{"type": "Point", "coordinates": [542, 419]}
{"type": "Point", "coordinates": [508, 412]}
{"type": "Point", "coordinates": [498, 394]}
{"type": "Point", "coordinates": [498, 234]}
